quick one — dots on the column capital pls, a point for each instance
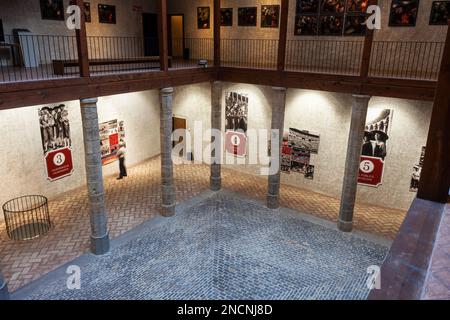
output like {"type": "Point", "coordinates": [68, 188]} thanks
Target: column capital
{"type": "Point", "coordinates": [361, 96]}
{"type": "Point", "coordinates": [279, 88]}
{"type": "Point", "coordinates": [166, 91]}
{"type": "Point", "coordinates": [216, 82]}
{"type": "Point", "coordinates": [88, 101]}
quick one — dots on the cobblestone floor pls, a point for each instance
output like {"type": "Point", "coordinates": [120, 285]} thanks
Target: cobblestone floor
{"type": "Point", "coordinates": [223, 246]}
{"type": "Point", "coordinates": [136, 199]}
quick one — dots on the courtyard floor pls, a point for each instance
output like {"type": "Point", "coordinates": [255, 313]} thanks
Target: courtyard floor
{"type": "Point", "coordinates": [134, 200]}
{"type": "Point", "coordinates": [223, 246]}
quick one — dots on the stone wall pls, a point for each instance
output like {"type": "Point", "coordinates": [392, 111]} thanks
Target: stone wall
{"type": "Point", "coordinates": [23, 168]}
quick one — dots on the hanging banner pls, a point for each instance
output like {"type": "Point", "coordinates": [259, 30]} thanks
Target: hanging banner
{"type": "Point", "coordinates": [371, 171]}
{"type": "Point", "coordinates": [374, 147]}
{"type": "Point", "coordinates": [56, 142]}
{"type": "Point", "coordinates": [236, 120]}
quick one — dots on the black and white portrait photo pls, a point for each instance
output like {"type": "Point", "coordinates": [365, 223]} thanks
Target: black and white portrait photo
{"type": "Point", "coordinates": [55, 128]}
{"type": "Point", "coordinates": [236, 112]}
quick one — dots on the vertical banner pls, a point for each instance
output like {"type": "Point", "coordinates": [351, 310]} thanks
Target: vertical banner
{"type": "Point", "coordinates": [374, 147]}
{"type": "Point", "coordinates": [56, 142]}
{"type": "Point", "coordinates": [112, 133]}
{"type": "Point", "coordinates": [236, 121]}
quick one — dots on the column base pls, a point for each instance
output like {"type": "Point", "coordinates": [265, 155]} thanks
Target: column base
{"type": "Point", "coordinates": [168, 210]}
{"type": "Point", "coordinates": [100, 246]}
{"type": "Point", "coordinates": [273, 201]}
{"type": "Point", "coordinates": [345, 226]}
{"type": "Point", "coordinates": [215, 184]}
{"type": "Point", "coordinates": [4, 293]}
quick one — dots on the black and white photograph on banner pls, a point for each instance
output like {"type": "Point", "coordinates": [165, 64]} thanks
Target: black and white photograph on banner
{"type": "Point", "coordinates": [376, 133]}
{"type": "Point", "coordinates": [55, 128]}
{"type": "Point", "coordinates": [236, 112]}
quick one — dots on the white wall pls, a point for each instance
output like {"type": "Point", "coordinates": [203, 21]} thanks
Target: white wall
{"type": "Point", "coordinates": [23, 168]}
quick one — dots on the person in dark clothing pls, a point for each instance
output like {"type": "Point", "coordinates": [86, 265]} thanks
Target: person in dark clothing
{"type": "Point", "coordinates": [367, 148]}
{"type": "Point", "coordinates": [121, 155]}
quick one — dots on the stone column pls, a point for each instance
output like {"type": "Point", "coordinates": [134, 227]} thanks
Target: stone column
{"type": "Point", "coordinates": [354, 146]}
{"type": "Point", "coordinates": [4, 293]}
{"type": "Point", "coordinates": [216, 123]}
{"type": "Point", "coordinates": [278, 109]}
{"type": "Point", "coordinates": [168, 195]}
{"type": "Point", "coordinates": [94, 177]}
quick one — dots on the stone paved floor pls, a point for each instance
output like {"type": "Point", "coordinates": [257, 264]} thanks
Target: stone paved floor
{"type": "Point", "coordinates": [223, 246]}
{"type": "Point", "coordinates": [437, 284]}
{"type": "Point", "coordinates": [136, 199]}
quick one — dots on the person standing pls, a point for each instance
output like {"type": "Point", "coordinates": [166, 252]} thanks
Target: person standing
{"type": "Point", "coordinates": [121, 155]}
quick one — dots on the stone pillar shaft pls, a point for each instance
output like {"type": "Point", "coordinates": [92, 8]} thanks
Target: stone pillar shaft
{"type": "Point", "coordinates": [166, 129]}
{"type": "Point", "coordinates": [354, 146]}
{"type": "Point", "coordinates": [94, 177]}
{"type": "Point", "coordinates": [216, 123]}
{"type": "Point", "coordinates": [278, 110]}
{"type": "Point", "coordinates": [4, 293]}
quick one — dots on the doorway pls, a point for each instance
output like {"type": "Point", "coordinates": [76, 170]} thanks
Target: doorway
{"type": "Point", "coordinates": [180, 123]}
{"type": "Point", "coordinates": [151, 36]}
{"type": "Point", "coordinates": [176, 35]}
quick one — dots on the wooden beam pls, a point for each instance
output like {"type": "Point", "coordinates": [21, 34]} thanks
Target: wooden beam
{"type": "Point", "coordinates": [82, 47]}
{"type": "Point", "coordinates": [282, 42]}
{"type": "Point", "coordinates": [435, 178]}
{"type": "Point", "coordinates": [163, 35]}
{"type": "Point", "coordinates": [367, 50]}
{"type": "Point", "coordinates": [394, 88]}
{"type": "Point", "coordinates": [55, 91]}
{"type": "Point", "coordinates": [217, 33]}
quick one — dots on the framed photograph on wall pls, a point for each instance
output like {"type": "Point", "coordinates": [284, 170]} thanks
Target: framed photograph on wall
{"type": "Point", "coordinates": [226, 17]}
{"type": "Point", "coordinates": [440, 13]}
{"type": "Point", "coordinates": [354, 25]}
{"type": "Point", "coordinates": [332, 6]}
{"type": "Point", "coordinates": [203, 17]}
{"type": "Point", "coordinates": [357, 5]}
{"type": "Point", "coordinates": [403, 13]}
{"type": "Point", "coordinates": [247, 17]}
{"type": "Point", "coordinates": [331, 25]}
{"type": "Point", "coordinates": [106, 14]}
{"type": "Point", "coordinates": [305, 26]}
{"type": "Point", "coordinates": [270, 16]}
{"type": "Point", "coordinates": [307, 7]}
{"type": "Point", "coordinates": [87, 12]}
{"type": "Point", "coordinates": [52, 10]}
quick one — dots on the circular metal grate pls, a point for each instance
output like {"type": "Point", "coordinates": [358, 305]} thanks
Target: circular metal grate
{"type": "Point", "coordinates": [27, 217]}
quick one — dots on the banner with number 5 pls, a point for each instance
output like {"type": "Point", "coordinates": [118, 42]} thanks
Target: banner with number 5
{"type": "Point", "coordinates": [371, 170]}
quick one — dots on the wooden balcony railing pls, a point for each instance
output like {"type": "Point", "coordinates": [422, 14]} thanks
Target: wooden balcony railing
{"type": "Point", "coordinates": [40, 57]}
{"type": "Point", "coordinates": [324, 56]}
{"type": "Point", "coordinates": [406, 60]}
{"type": "Point", "coordinates": [249, 53]}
